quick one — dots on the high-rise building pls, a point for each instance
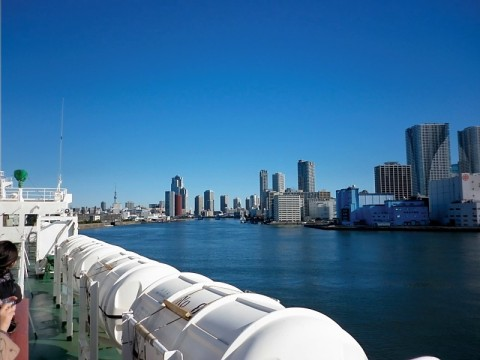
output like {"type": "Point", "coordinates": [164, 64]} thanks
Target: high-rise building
{"type": "Point", "coordinates": [254, 201]}
{"type": "Point", "coordinates": [223, 203]}
{"type": "Point", "coordinates": [177, 184]}
{"type": "Point", "coordinates": [454, 201]}
{"type": "Point", "coordinates": [247, 203]}
{"type": "Point", "coordinates": [393, 178]}
{"type": "Point", "coordinates": [278, 182]}
{"type": "Point", "coordinates": [428, 152]}
{"type": "Point", "coordinates": [178, 188]}
{"type": "Point", "coordinates": [469, 150]}
{"type": "Point", "coordinates": [178, 205]}
{"type": "Point", "coordinates": [306, 176]}
{"type": "Point", "coordinates": [263, 188]}
{"type": "Point", "coordinates": [169, 203]}
{"type": "Point", "coordinates": [208, 202]}
{"type": "Point", "coordinates": [287, 207]}
{"type": "Point", "coordinates": [198, 205]}
{"type": "Point", "coordinates": [237, 203]}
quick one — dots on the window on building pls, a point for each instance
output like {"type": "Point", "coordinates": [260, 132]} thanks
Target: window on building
{"type": "Point", "coordinates": [11, 220]}
{"type": "Point", "coordinates": [31, 219]}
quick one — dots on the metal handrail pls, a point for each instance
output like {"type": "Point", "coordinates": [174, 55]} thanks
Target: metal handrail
{"type": "Point", "coordinates": [35, 194]}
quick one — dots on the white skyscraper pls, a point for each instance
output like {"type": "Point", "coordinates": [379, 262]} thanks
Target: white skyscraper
{"type": "Point", "coordinates": [428, 152]}
{"type": "Point", "coordinates": [278, 182]}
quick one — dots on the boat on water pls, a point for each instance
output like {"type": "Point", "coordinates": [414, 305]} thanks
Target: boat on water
{"type": "Point", "coordinates": [92, 300]}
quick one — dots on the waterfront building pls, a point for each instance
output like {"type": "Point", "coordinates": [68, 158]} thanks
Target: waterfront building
{"type": "Point", "coordinates": [287, 208]}
{"type": "Point", "coordinates": [247, 203]}
{"type": "Point", "coordinates": [130, 205]}
{"type": "Point", "coordinates": [278, 182]}
{"type": "Point", "coordinates": [178, 205]}
{"type": "Point", "coordinates": [347, 204]}
{"type": "Point", "coordinates": [255, 202]}
{"type": "Point", "coordinates": [393, 178]}
{"type": "Point", "coordinates": [394, 213]}
{"type": "Point", "coordinates": [366, 198]}
{"type": "Point", "coordinates": [169, 203]}
{"type": "Point", "coordinates": [209, 202]}
{"type": "Point", "coordinates": [271, 204]}
{"type": "Point", "coordinates": [307, 200]}
{"type": "Point", "coordinates": [306, 176]}
{"type": "Point", "coordinates": [321, 209]}
{"type": "Point", "coordinates": [263, 188]}
{"type": "Point", "coordinates": [469, 150]}
{"type": "Point", "coordinates": [237, 203]}
{"type": "Point", "coordinates": [178, 188]}
{"type": "Point", "coordinates": [428, 152]}
{"type": "Point", "coordinates": [308, 197]}
{"type": "Point", "coordinates": [161, 206]}
{"type": "Point", "coordinates": [177, 184]}
{"type": "Point", "coordinates": [362, 208]}
{"type": "Point", "coordinates": [198, 205]}
{"type": "Point", "coordinates": [456, 200]}
{"type": "Point", "coordinates": [224, 203]}
{"type": "Point", "coordinates": [103, 206]}
{"type": "Point", "coordinates": [184, 196]}
{"type": "Point", "coordinates": [116, 208]}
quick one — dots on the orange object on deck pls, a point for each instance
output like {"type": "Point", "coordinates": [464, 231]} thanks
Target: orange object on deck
{"type": "Point", "coordinates": [20, 336]}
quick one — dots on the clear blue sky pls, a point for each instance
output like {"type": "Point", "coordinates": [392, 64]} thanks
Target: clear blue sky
{"type": "Point", "coordinates": [215, 91]}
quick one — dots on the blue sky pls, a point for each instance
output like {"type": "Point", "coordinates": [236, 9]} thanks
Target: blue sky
{"type": "Point", "coordinates": [215, 91]}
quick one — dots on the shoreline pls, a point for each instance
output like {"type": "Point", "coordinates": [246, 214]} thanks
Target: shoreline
{"type": "Point", "coordinates": [394, 228]}
{"type": "Point", "coordinates": [101, 225]}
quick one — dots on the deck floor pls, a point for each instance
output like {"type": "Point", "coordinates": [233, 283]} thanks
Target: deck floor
{"type": "Point", "coordinates": [47, 336]}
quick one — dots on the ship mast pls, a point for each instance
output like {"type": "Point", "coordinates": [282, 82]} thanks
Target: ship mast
{"type": "Point", "coordinates": [60, 151]}
{"type": "Point", "coordinates": [1, 88]}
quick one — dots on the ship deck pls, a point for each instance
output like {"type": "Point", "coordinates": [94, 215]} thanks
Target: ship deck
{"type": "Point", "coordinates": [47, 335]}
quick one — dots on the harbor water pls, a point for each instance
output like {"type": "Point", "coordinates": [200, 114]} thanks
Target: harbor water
{"type": "Point", "coordinates": [399, 294]}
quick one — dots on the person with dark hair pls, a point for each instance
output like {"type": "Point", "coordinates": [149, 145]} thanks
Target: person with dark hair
{"type": "Point", "coordinates": [8, 287]}
{"type": "Point", "coordinates": [8, 258]}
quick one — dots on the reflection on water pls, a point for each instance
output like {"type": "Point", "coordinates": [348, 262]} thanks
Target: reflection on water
{"type": "Point", "coordinates": [400, 295]}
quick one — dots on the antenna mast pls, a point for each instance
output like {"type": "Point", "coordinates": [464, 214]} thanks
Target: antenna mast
{"type": "Point", "coordinates": [61, 150]}
{"type": "Point", "coordinates": [0, 85]}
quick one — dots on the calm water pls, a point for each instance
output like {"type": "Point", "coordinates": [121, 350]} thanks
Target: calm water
{"type": "Point", "coordinates": [400, 295]}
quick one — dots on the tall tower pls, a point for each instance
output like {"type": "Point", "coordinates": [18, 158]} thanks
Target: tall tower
{"type": "Point", "coordinates": [223, 203]}
{"type": "Point", "coordinates": [469, 150]}
{"type": "Point", "coordinates": [278, 182]}
{"type": "Point", "coordinates": [393, 178]}
{"type": "Point", "coordinates": [198, 205]}
{"type": "Point", "coordinates": [306, 176]}
{"type": "Point", "coordinates": [178, 188]}
{"type": "Point", "coordinates": [428, 152]}
{"type": "Point", "coordinates": [236, 203]}
{"type": "Point", "coordinates": [177, 184]}
{"type": "Point", "coordinates": [263, 189]}
{"type": "Point", "coordinates": [208, 202]}
{"type": "Point", "coordinates": [169, 203]}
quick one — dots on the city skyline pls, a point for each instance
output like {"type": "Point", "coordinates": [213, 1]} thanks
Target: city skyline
{"type": "Point", "coordinates": [302, 166]}
{"type": "Point", "coordinates": [217, 91]}
{"type": "Point", "coordinates": [423, 142]}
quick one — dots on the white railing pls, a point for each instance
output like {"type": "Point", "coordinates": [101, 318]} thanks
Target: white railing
{"type": "Point", "coordinates": [36, 194]}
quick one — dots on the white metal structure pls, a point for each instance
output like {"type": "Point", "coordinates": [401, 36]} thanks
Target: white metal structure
{"type": "Point", "coordinates": [35, 219]}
